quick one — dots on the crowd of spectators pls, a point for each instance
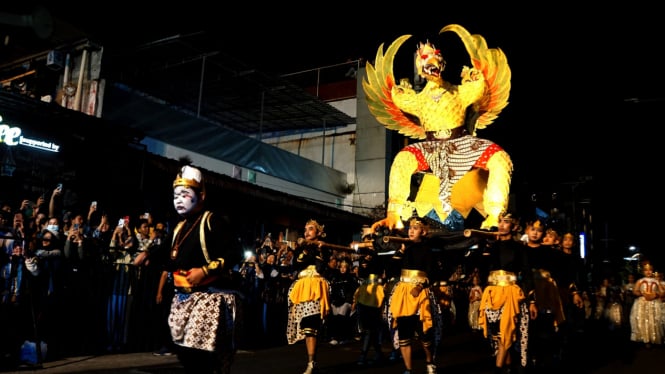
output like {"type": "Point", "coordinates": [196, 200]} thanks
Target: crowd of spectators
{"type": "Point", "coordinates": [68, 280]}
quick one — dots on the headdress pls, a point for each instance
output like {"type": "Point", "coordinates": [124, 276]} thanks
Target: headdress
{"type": "Point", "coordinates": [508, 216]}
{"type": "Point", "coordinates": [537, 224]}
{"type": "Point", "coordinates": [512, 218]}
{"type": "Point", "coordinates": [319, 227]}
{"type": "Point", "coordinates": [417, 221]}
{"type": "Point", "coordinates": [190, 177]}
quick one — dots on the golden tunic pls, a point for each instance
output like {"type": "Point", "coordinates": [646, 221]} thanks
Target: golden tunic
{"type": "Point", "coordinates": [370, 293]}
{"type": "Point", "coordinates": [502, 293]}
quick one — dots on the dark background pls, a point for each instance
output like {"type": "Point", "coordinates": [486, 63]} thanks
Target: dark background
{"type": "Point", "coordinates": [585, 104]}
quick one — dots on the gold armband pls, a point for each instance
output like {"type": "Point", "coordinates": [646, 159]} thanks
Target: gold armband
{"type": "Point", "coordinates": [204, 268]}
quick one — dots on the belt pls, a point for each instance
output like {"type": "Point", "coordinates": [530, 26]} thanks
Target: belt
{"type": "Point", "coordinates": [372, 279]}
{"type": "Point", "coordinates": [413, 276]}
{"type": "Point", "coordinates": [309, 272]}
{"type": "Point", "coordinates": [501, 278]}
{"type": "Point", "coordinates": [182, 284]}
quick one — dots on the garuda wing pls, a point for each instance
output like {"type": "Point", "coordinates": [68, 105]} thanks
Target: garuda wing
{"type": "Point", "coordinates": [492, 62]}
{"type": "Point", "coordinates": [378, 83]}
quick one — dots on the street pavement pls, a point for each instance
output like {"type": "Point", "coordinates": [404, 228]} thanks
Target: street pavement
{"type": "Point", "coordinates": [462, 352]}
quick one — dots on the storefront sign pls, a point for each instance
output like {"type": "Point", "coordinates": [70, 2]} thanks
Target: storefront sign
{"type": "Point", "coordinates": [13, 136]}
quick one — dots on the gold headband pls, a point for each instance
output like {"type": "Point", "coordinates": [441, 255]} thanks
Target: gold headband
{"type": "Point", "coordinates": [189, 177]}
{"type": "Point", "coordinates": [417, 221]}
{"type": "Point", "coordinates": [507, 216]}
{"type": "Point", "coordinates": [319, 227]}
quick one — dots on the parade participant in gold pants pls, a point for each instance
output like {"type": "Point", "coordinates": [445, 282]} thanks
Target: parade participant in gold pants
{"type": "Point", "coordinates": [412, 308]}
{"type": "Point", "coordinates": [308, 302]}
{"type": "Point", "coordinates": [503, 313]}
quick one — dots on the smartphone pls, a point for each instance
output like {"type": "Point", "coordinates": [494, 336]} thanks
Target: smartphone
{"type": "Point", "coordinates": [59, 186]}
{"type": "Point", "coordinates": [94, 204]}
{"type": "Point", "coordinates": [76, 226]}
{"type": "Point", "coordinates": [121, 222]}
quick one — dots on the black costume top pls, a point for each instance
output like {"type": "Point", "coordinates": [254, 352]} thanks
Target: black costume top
{"type": "Point", "coordinates": [418, 256]}
{"type": "Point", "coordinates": [223, 252]}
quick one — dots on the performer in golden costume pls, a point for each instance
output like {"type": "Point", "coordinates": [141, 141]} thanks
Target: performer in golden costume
{"type": "Point", "coordinates": [503, 312]}
{"type": "Point", "coordinates": [460, 171]}
{"type": "Point", "coordinates": [412, 306]}
{"type": "Point", "coordinates": [309, 302]}
{"type": "Point", "coordinates": [368, 301]}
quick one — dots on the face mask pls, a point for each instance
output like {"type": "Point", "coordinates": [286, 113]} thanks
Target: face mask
{"type": "Point", "coordinates": [53, 228]}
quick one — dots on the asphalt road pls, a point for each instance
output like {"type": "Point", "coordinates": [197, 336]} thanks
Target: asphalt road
{"type": "Point", "coordinates": [461, 352]}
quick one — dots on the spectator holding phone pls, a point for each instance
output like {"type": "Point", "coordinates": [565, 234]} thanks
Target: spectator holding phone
{"type": "Point", "coordinates": [48, 288]}
{"type": "Point", "coordinates": [123, 238]}
{"type": "Point", "coordinates": [55, 200]}
{"type": "Point", "coordinates": [123, 244]}
{"type": "Point", "coordinates": [81, 294]}
{"type": "Point", "coordinates": [74, 238]}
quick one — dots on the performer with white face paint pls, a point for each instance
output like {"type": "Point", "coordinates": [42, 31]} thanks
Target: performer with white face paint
{"type": "Point", "coordinates": [204, 309]}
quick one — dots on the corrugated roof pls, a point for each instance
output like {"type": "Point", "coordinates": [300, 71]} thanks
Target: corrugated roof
{"type": "Point", "coordinates": [188, 72]}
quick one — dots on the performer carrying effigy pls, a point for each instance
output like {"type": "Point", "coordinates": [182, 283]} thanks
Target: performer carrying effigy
{"type": "Point", "coordinates": [552, 286]}
{"type": "Point", "coordinates": [309, 295]}
{"type": "Point", "coordinates": [503, 312]}
{"type": "Point", "coordinates": [412, 307]}
{"type": "Point", "coordinates": [368, 302]}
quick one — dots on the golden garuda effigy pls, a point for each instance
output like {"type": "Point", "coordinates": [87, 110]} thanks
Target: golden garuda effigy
{"type": "Point", "coordinates": [460, 172]}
